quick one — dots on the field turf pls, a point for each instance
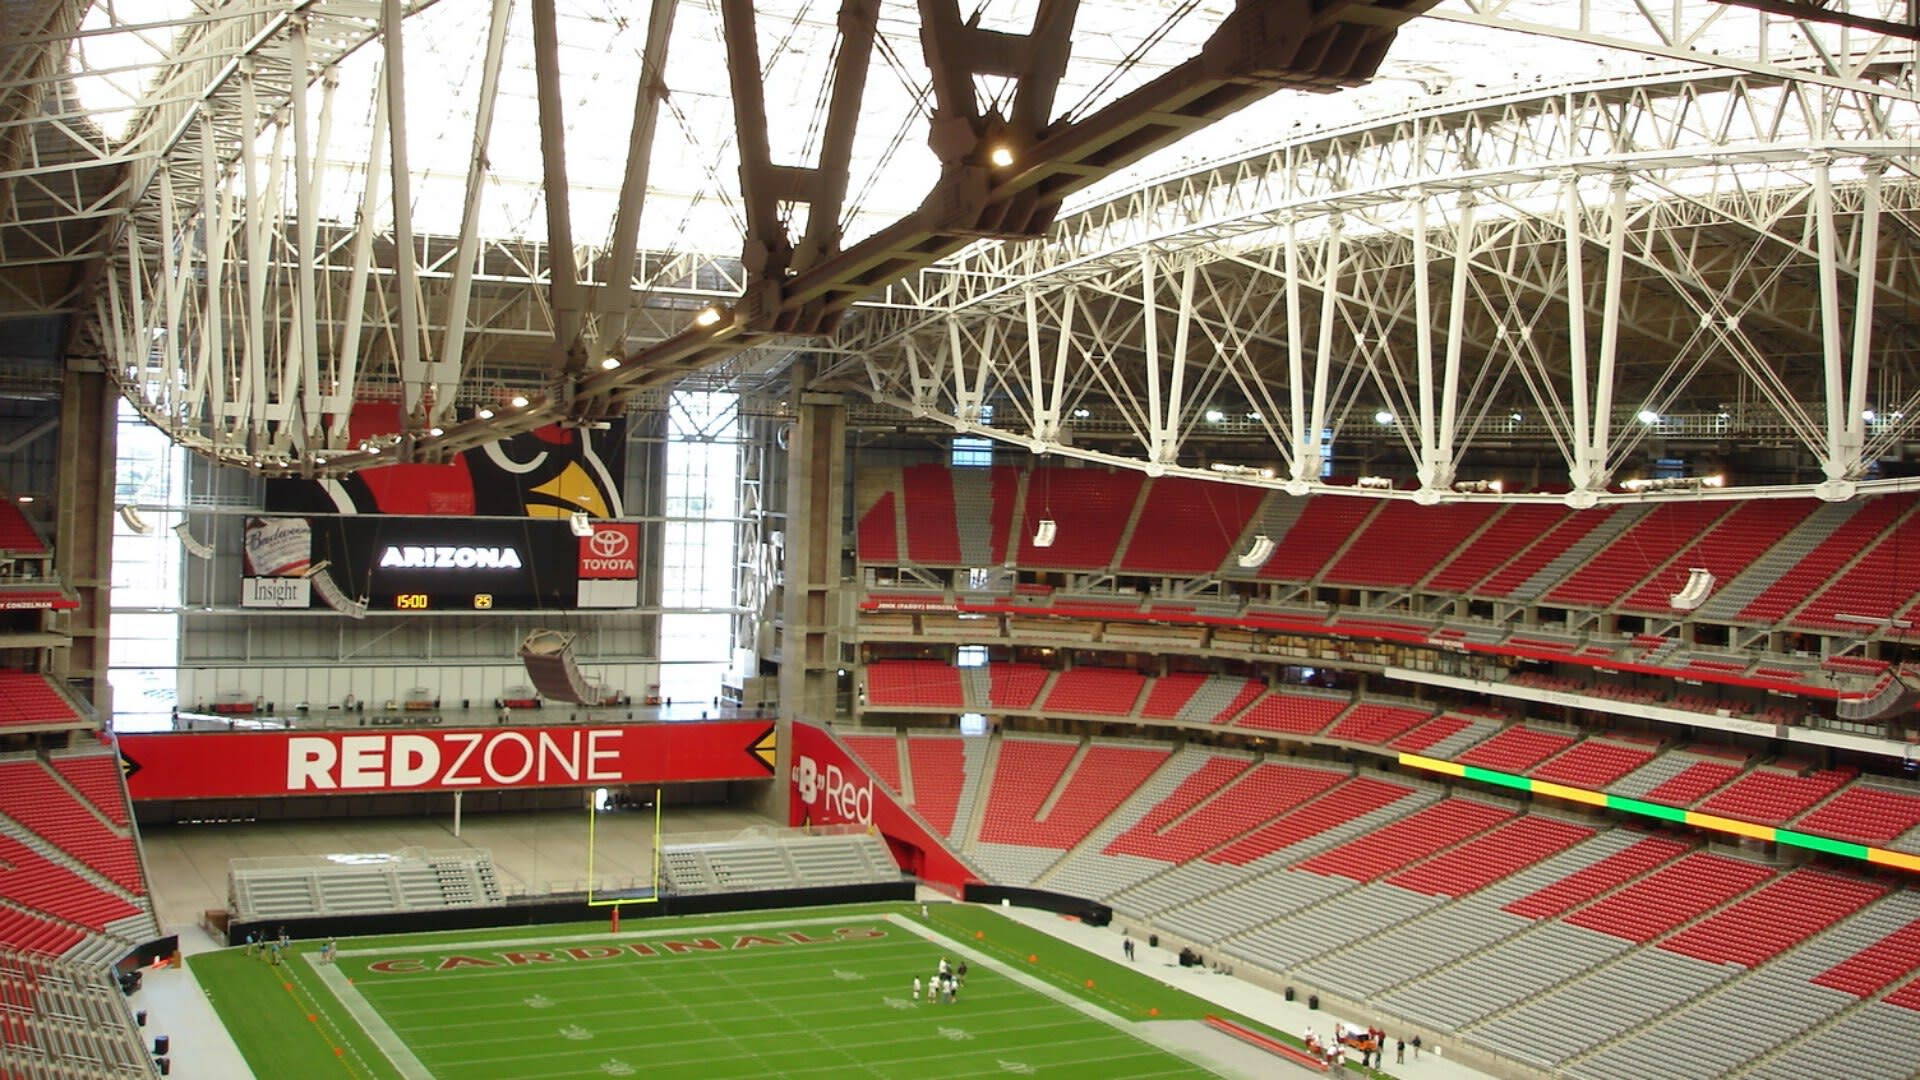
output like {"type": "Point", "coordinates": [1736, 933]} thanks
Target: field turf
{"type": "Point", "coordinates": [804, 992]}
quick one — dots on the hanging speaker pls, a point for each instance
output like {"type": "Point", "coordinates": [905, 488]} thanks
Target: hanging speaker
{"type": "Point", "coordinates": [194, 547]}
{"type": "Point", "coordinates": [1257, 555]}
{"type": "Point", "coordinates": [1043, 534]}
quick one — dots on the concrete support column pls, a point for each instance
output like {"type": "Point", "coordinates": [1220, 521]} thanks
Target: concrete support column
{"type": "Point", "coordinates": [83, 529]}
{"type": "Point", "coordinates": [811, 600]}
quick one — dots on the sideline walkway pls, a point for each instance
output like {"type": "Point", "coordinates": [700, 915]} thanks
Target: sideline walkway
{"type": "Point", "coordinates": [1266, 1006]}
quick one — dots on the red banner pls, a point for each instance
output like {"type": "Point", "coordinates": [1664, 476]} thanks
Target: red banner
{"type": "Point", "coordinates": [828, 787]}
{"type": "Point", "coordinates": [217, 765]}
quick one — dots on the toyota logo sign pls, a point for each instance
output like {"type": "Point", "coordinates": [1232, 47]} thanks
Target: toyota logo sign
{"type": "Point", "coordinates": [609, 543]}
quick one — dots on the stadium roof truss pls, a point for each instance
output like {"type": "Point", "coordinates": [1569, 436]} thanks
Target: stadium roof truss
{"type": "Point", "coordinates": [1594, 265]}
{"type": "Point", "coordinates": [1683, 221]}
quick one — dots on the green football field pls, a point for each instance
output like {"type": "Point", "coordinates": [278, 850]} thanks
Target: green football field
{"type": "Point", "coordinates": [804, 992]}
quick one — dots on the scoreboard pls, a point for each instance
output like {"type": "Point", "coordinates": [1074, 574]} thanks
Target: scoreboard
{"type": "Point", "coordinates": [445, 564]}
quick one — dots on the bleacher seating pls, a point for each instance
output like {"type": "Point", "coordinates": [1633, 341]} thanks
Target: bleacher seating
{"type": "Point", "coordinates": [1595, 879]}
{"type": "Point", "coordinates": [17, 535]}
{"type": "Point", "coordinates": [30, 795]}
{"type": "Point", "coordinates": [1351, 799]}
{"type": "Point", "coordinates": [1864, 814]}
{"type": "Point", "coordinates": [1592, 764]}
{"type": "Point", "coordinates": [1636, 553]}
{"type": "Point", "coordinates": [1099, 691]}
{"type": "Point", "coordinates": [1323, 526]}
{"type": "Point", "coordinates": [1014, 686]}
{"type": "Point", "coordinates": [1774, 919]}
{"type": "Point", "coordinates": [1291, 712]}
{"type": "Point", "coordinates": [97, 778]}
{"type": "Point", "coordinates": [879, 753]}
{"type": "Point", "coordinates": [1569, 530]}
{"type": "Point", "coordinates": [1824, 559]}
{"type": "Point", "coordinates": [876, 538]}
{"type": "Point", "coordinates": [1375, 724]}
{"type": "Point", "coordinates": [1169, 694]}
{"type": "Point", "coordinates": [914, 684]}
{"type": "Point", "coordinates": [933, 539]}
{"type": "Point", "coordinates": [1028, 771]}
{"type": "Point", "coordinates": [29, 933]}
{"type": "Point", "coordinates": [1505, 538]}
{"type": "Point", "coordinates": [1254, 797]}
{"type": "Point", "coordinates": [28, 700]}
{"type": "Point", "coordinates": [1485, 859]}
{"type": "Point", "coordinates": [1206, 781]}
{"type": "Point", "coordinates": [1878, 586]}
{"type": "Point", "coordinates": [1188, 527]}
{"type": "Point", "coordinates": [1516, 749]}
{"type": "Point", "coordinates": [1733, 544]}
{"type": "Point", "coordinates": [1689, 887]}
{"type": "Point", "coordinates": [32, 881]}
{"type": "Point", "coordinates": [1880, 963]}
{"type": "Point", "coordinates": [939, 774]}
{"type": "Point", "coordinates": [1772, 797]}
{"type": "Point", "coordinates": [1091, 508]}
{"type": "Point", "coordinates": [1692, 783]}
{"type": "Point", "coordinates": [1404, 541]}
{"type": "Point", "coordinates": [1408, 840]}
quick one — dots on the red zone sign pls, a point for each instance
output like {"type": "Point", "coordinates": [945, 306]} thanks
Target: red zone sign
{"type": "Point", "coordinates": [223, 765]}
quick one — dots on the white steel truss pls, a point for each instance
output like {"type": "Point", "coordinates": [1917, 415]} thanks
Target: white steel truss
{"type": "Point", "coordinates": [1603, 267]}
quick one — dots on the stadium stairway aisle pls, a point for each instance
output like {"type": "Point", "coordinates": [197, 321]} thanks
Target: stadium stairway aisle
{"type": "Point", "coordinates": [1230, 992]}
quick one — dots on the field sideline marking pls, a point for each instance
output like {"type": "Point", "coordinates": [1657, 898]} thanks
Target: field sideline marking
{"type": "Point", "coordinates": [1142, 1032]}
{"type": "Point", "coordinates": [385, 1039]}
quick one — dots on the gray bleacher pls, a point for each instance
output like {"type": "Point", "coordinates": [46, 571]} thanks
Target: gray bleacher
{"type": "Point", "coordinates": [973, 762]}
{"type": "Point", "coordinates": [973, 514]}
{"type": "Point", "coordinates": [1661, 769]}
{"type": "Point", "coordinates": [763, 860]}
{"type": "Point", "coordinates": [1599, 1006]}
{"type": "Point", "coordinates": [1214, 918]}
{"type": "Point", "coordinates": [975, 687]}
{"type": "Point", "coordinates": [1358, 914]}
{"type": "Point", "coordinates": [1873, 1042]}
{"type": "Point", "coordinates": [1276, 516]}
{"type": "Point", "coordinates": [1248, 904]}
{"type": "Point", "coordinates": [1776, 1002]}
{"type": "Point", "coordinates": [79, 1025]}
{"type": "Point", "coordinates": [411, 879]}
{"type": "Point", "coordinates": [1478, 729]}
{"type": "Point", "coordinates": [1579, 552]}
{"type": "Point", "coordinates": [1735, 595]}
{"type": "Point", "coordinates": [1012, 864]}
{"type": "Point", "coordinates": [1086, 872]}
{"type": "Point", "coordinates": [1209, 698]}
{"type": "Point", "coordinates": [1511, 971]}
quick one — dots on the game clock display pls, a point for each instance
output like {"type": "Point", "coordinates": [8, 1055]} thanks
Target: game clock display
{"type": "Point", "coordinates": [419, 601]}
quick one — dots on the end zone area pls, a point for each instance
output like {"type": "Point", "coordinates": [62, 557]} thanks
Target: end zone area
{"type": "Point", "coordinates": [806, 992]}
